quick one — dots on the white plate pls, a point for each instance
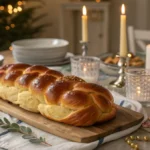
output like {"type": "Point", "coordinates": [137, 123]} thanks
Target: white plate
{"type": "Point", "coordinates": [57, 62]}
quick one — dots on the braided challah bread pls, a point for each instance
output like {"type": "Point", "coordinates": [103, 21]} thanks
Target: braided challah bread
{"type": "Point", "coordinates": [66, 99]}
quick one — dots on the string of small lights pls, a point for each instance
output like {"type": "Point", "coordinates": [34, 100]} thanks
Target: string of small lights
{"type": "Point", "coordinates": [10, 9]}
{"type": "Point", "coordinates": [17, 21]}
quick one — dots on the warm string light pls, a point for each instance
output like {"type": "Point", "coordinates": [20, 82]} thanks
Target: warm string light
{"type": "Point", "coordinates": [7, 27]}
{"type": "Point", "coordinates": [10, 48]}
{"type": "Point", "coordinates": [12, 9]}
{"type": "Point", "coordinates": [15, 10]}
{"type": "Point", "coordinates": [19, 3]}
{"type": "Point", "coordinates": [19, 8]}
{"type": "Point", "coordinates": [1, 7]}
{"type": "Point", "coordinates": [11, 26]}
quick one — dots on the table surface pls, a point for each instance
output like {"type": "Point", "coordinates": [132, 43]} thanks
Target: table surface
{"type": "Point", "coordinates": [114, 145]}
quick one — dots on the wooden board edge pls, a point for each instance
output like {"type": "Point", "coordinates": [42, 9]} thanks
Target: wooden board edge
{"type": "Point", "coordinates": [83, 140]}
{"type": "Point", "coordinates": [97, 137]}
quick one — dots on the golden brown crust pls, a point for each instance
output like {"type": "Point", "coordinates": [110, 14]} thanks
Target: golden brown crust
{"type": "Point", "coordinates": [36, 68]}
{"type": "Point", "coordinates": [54, 73]}
{"type": "Point", "coordinates": [83, 117]}
{"type": "Point", "coordinates": [25, 79]}
{"type": "Point", "coordinates": [40, 84]}
{"type": "Point", "coordinates": [51, 94]}
{"type": "Point", "coordinates": [5, 66]}
{"type": "Point", "coordinates": [66, 99]}
{"type": "Point", "coordinates": [76, 100]}
{"type": "Point", "coordinates": [17, 67]}
{"type": "Point", "coordinates": [11, 77]}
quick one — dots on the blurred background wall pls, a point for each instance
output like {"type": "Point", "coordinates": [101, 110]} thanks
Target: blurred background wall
{"type": "Point", "coordinates": [137, 15]}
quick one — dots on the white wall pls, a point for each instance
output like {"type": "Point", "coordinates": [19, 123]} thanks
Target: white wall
{"type": "Point", "coordinates": [142, 14]}
{"type": "Point", "coordinates": [137, 15]}
{"type": "Point", "coordinates": [52, 8]}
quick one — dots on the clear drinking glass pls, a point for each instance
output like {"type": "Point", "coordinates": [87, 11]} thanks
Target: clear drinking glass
{"type": "Point", "coordinates": [138, 85]}
{"type": "Point", "coordinates": [86, 67]}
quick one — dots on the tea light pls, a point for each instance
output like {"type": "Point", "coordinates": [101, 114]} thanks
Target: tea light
{"type": "Point", "coordinates": [86, 67]}
{"type": "Point", "coordinates": [138, 92]}
{"type": "Point", "coordinates": [87, 77]}
{"type": "Point", "coordinates": [138, 85]}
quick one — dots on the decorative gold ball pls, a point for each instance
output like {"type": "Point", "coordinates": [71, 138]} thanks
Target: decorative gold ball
{"type": "Point", "coordinates": [136, 146]}
{"type": "Point", "coordinates": [132, 137]}
{"type": "Point", "coordinates": [145, 138]}
{"type": "Point", "coordinates": [132, 145]}
{"type": "Point", "coordinates": [126, 139]}
{"type": "Point", "coordinates": [129, 142]}
{"type": "Point", "coordinates": [138, 138]}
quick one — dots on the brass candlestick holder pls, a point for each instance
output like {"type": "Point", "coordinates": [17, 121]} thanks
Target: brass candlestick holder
{"type": "Point", "coordinates": [84, 48]}
{"type": "Point", "coordinates": [120, 81]}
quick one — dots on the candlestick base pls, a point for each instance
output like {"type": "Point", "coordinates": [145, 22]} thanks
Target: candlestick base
{"type": "Point", "coordinates": [120, 81]}
{"type": "Point", "coordinates": [84, 47]}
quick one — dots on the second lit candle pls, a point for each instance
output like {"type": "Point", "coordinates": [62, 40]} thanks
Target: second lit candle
{"type": "Point", "coordinates": [84, 25]}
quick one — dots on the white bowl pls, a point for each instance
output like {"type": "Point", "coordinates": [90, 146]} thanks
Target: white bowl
{"type": "Point", "coordinates": [39, 43]}
{"type": "Point", "coordinates": [39, 49]}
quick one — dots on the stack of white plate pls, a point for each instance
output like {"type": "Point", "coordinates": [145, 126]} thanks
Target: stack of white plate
{"type": "Point", "coordinates": [43, 51]}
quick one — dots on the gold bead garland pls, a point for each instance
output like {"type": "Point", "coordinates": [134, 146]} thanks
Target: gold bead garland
{"type": "Point", "coordinates": [129, 140]}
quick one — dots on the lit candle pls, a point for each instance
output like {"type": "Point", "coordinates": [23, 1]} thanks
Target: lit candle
{"type": "Point", "coordinates": [138, 94]}
{"type": "Point", "coordinates": [123, 34]}
{"type": "Point", "coordinates": [84, 25]}
{"type": "Point", "coordinates": [86, 76]}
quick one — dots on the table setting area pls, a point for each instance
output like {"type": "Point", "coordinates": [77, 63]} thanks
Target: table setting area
{"type": "Point", "coordinates": [53, 99]}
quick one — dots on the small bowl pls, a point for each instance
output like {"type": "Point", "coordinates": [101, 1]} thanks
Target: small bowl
{"type": "Point", "coordinates": [112, 69]}
{"type": "Point", "coordinates": [108, 68]}
{"type": "Point", "coordinates": [1, 60]}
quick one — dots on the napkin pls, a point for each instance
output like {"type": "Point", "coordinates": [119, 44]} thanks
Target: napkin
{"type": "Point", "coordinates": [14, 141]}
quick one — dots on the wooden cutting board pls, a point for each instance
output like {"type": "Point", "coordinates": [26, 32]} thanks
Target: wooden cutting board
{"type": "Point", "coordinates": [125, 118]}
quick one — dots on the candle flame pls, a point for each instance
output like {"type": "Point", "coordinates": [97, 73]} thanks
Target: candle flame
{"type": "Point", "coordinates": [138, 88]}
{"type": "Point", "coordinates": [84, 11]}
{"type": "Point", "coordinates": [138, 92]}
{"type": "Point", "coordinates": [123, 10]}
{"type": "Point", "coordinates": [84, 69]}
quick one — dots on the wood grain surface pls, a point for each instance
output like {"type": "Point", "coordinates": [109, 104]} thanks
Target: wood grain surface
{"type": "Point", "coordinates": [125, 118]}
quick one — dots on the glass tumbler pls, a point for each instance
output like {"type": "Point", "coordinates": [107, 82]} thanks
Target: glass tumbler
{"type": "Point", "coordinates": [138, 85]}
{"type": "Point", "coordinates": [85, 67]}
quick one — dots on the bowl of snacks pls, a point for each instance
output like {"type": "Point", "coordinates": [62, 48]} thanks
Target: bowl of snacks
{"type": "Point", "coordinates": [109, 62]}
